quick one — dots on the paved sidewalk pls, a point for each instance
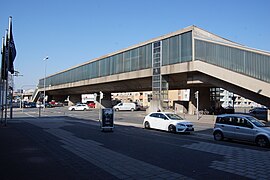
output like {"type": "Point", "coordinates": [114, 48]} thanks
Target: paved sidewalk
{"type": "Point", "coordinates": [24, 156]}
{"type": "Point", "coordinates": [41, 148]}
{"type": "Point", "coordinates": [206, 119]}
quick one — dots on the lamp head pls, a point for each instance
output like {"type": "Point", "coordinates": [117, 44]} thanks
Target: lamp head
{"type": "Point", "coordinates": [47, 57]}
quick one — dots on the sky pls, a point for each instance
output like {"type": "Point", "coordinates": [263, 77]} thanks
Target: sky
{"type": "Point", "coordinates": [71, 32]}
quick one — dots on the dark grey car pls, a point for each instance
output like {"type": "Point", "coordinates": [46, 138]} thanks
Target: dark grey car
{"type": "Point", "coordinates": [241, 127]}
{"type": "Point", "coordinates": [259, 113]}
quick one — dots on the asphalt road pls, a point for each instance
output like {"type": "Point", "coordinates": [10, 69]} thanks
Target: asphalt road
{"type": "Point", "coordinates": [150, 154]}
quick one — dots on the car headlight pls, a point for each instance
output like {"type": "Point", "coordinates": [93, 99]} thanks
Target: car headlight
{"type": "Point", "coordinates": [180, 124]}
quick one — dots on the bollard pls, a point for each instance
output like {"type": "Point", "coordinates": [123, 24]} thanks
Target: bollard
{"type": "Point", "coordinates": [39, 111]}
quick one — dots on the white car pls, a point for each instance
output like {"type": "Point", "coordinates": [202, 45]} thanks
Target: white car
{"type": "Point", "coordinates": [78, 107]}
{"type": "Point", "coordinates": [167, 121]}
{"type": "Point", "coordinates": [125, 107]}
{"type": "Point", "coordinates": [39, 105]}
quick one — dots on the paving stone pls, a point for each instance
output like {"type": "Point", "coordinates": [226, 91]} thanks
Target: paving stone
{"type": "Point", "coordinates": [119, 165]}
{"type": "Point", "coordinates": [246, 162]}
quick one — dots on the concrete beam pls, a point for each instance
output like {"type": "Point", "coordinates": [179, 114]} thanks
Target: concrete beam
{"type": "Point", "coordinates": [192, 74]}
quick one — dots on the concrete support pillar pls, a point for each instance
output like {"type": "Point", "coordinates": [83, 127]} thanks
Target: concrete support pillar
{"type": "Point", "coordinates": [192, 101]}
{"type": "Point", "coordinates": [104, 100]}
{"type": "Point", "coordinates": [155, 105]}
{"type": "Point", "coordinates": [73, 99]}
{"type": "Point", "coordinates": [204, 99]}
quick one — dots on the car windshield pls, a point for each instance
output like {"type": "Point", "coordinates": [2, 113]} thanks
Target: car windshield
{"type": "Point", "coordinates": [256, 122]}
{"type": "Point", "coordinates": [174, 117]}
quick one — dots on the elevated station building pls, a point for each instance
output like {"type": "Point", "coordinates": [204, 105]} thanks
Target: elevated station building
{"type": "Point", "coordinates": [190, 58]}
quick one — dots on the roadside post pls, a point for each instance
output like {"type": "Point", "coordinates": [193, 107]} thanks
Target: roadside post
{"type": "Point", "coordinates": [39, 111]}
{"type": "Point", "coordinates": [268, 115]}
{"type": "Point", "coordinates": [197, 103]}
{"type": "Point", "coordinates": [106, 119]}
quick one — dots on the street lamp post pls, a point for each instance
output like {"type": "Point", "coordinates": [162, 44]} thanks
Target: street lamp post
{"type": "Point", "coordinates": [16, 74]}
{"type": "Point", "coordinates": [45, 59]}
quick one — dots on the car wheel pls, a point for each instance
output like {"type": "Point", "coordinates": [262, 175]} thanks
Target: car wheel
{"type": "Point", "coordinates": [262, 141]}
{"type": "Point", "coordinates": [172, 128]}
{"type": "Point", "coordinates": [116, 109]}
{"type": "Point", "coordinates": [84, 109]}
{"type": "Point", "coordinates": [132, 109]}
{"type": "Point", "coordinates": [72, 109]}
{"type": "Point", "coordinates": [147, 125]}
{"type": "Point", "coordinates": [218, 136]}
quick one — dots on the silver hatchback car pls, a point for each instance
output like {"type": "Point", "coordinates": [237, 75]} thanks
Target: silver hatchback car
{"type": "Point", "coordinates": [241, 127]}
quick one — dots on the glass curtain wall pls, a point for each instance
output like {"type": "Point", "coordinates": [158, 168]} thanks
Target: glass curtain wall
{"type": "Point", "coordinates": [131, 60]}
{"type": "Point", "coordinates": [246, 62]}
{"type": "Point", "coordinates": [177, 49]}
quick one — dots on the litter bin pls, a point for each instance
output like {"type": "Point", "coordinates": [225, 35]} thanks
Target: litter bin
{"type": "Point", "coordinates": [106, 119]}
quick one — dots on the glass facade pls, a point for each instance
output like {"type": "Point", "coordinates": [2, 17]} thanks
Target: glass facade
{"type": "Point", "coordinates": [131, 60]}
{"type": "Point", "coordinates": [246, 62]}
{"type": "Point", "coordinates": [174, 50]}
{"type": "Point", "coordinates": [177, 49]}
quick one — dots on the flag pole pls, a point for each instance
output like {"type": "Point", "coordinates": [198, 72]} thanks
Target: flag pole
{"type": "Point", "coordinates": [6, 71]}
{"type": "Point", "coordinates": [11, 90]}
{"type": "Point", "coordinates": [2, 80]}
{"type": "Point", "coordinates": [11, 80]}
{"type": "Point", "coordinates": [11, 58]}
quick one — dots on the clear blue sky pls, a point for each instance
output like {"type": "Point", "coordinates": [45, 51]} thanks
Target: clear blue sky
{"type": "Point", "coordinates": [71, 32]}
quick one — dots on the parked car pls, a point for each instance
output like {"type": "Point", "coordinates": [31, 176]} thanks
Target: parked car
{"type": "Point", "coordinates": [91, 104]}
{"type": "Point", "coordinates": [138, 106]}
{"type": "Point", "coordinates": [47, 105]}
{"type": "Point", "coordinates": [56, 104]}
{"type": "Point", "coordinates": [16, 104]}
{"type": "Point", "coordinates": [79, 107]}
{"type": "Point", "coordinates": [125, 107]}
{"type": "Point", "coordinates": [259, 113]}
{"type": "Point", "coordinates": [29, 104]}
{"type": "Point", "coordinates": [241, 127]}
{"type": "Point", "coordinates": [167, 121]}
{"type": "Point", "coordinates": [39, 105]}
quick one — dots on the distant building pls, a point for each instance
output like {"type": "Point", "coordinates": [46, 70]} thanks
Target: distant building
{"type": "Point", "coordinates": [227, 101]}
{"type": "Point", "coordinates": [219, 97]}
{"type": "Point", "coordinates": [25, 95]}
{"type": "Point", "coordinates": [144, 98]}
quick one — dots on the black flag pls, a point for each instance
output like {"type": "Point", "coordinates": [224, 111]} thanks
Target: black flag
{"type": "Point", "coordinates": [4, 59]}
{"type": "Point", "coordinates": [11, 48]}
